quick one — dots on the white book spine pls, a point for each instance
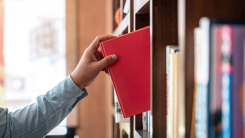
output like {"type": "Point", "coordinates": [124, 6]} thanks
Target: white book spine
{"type": "Point", "coordinates": [203, 79]}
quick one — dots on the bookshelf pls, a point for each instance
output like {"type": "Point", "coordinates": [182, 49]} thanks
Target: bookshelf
{"type": "Point", "coordinates": [142, 13]}
{"type": "Point", "coordinates": [172, 23]}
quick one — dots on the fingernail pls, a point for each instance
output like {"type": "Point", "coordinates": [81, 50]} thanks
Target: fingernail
{"type": "Point", "coordinates": [114, 57]}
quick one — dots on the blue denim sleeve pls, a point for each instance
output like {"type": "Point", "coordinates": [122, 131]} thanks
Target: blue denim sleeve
{"type": "Point", "coordinates": [38, 119]}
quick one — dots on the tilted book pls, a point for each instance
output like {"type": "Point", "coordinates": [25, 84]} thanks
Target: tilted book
{"type": "Point", "coordinates": [130, 74]}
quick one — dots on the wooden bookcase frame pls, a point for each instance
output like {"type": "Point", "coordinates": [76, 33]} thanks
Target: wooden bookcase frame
{"type": "Point", "coordinates": [161, 15]}
{"type": "Point", "coordinates": [172, 22]}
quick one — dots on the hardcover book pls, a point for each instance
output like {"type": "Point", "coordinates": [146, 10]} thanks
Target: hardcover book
{"type": "Point", "coordinates": [131, 73]}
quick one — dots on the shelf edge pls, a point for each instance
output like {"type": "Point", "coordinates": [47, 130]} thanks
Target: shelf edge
{"type": "Point", "coordinates": [122, 26]}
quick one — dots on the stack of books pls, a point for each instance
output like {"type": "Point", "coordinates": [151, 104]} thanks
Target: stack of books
{"type": "Point", "coordinates": [219, 78]}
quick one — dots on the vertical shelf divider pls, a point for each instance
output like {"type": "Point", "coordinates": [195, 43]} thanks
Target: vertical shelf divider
{"type": "Point", "coordinates": [163, 21]}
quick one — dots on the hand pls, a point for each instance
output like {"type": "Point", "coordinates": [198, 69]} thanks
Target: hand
{"type": "Point", "coordinates": [92, 63]}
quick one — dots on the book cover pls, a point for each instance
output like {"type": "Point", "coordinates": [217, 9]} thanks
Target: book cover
{"type": "Point", "coordinates": [131, 73]}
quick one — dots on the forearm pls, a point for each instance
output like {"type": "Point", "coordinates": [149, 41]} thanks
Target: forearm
{"type": "Point", "coordinates": [38, 119]}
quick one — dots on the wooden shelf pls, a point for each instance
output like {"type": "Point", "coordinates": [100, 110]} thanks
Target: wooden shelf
{"type": "Point", "coordinates": [141, 6]}
{"type": "Point", "coordinates": [122, 26]}
{"type": "Point", "coordinates": [136, 134]}
{"type": "Point", "coordinates": [143, 133]}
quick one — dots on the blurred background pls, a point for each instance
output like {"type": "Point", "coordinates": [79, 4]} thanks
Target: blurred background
{"type": "Point", "coordinates": [41, 42]}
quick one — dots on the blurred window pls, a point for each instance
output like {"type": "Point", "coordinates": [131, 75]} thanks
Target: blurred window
{"type": "Point", "coordinates": [34, 51]}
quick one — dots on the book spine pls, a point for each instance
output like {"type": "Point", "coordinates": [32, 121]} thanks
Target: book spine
{"type": "Point", "coordinates": [215, 110]}
{"type": "Point", "coordinates": [170, 131]}
{"type": "Point", "coordinates": [168, 106]}
{"type": "Point", "coordinates": [167, 72]}
{"type": "Point", "coordinates": [175, 96]}
{"type": "Point", "coordinates": [226, 80]}
{"type": "Point", "coordinates": [243, 95]}
{"type": "Point", "coordinates": [169, 49]}
{"type": "Point", "coordinates": [167, 87]}
{"type": "Point", "coordinates": [203, 82]}
{"type": "Point", "coordinates": [180, 100]}
{"type": "Point", "coordinates": [237, 42]}
{"type": "Point", "coordinates": [197, 55]}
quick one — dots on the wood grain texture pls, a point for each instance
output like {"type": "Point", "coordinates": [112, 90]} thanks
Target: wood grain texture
{"type": "Point", "coordinates": [131, 17]}
{"type": "Point", "coordinates": [194, 10]}
{"type": "Point", "coordinates": [163, 20]}
{"type": "Point", "coordinates": [141, 20]}
{"type": "Point", "coordinates": [95, 119]}
{"type": "Point", "coordinates": [72, 57]}
{"type": "Point", "coordinates": [138, 122]}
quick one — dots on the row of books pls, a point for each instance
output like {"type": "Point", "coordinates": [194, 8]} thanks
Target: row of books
{"type": "Point", "coordinates": [219, 79]}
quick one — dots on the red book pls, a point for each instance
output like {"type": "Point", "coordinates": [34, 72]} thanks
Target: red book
{"type": "Point", "coordinates": [131, 73]}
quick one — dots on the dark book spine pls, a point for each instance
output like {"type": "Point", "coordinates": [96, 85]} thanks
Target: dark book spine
{"type": "Point", "coordinates": [238, 35]}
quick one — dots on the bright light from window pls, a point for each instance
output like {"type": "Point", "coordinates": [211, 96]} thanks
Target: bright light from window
{"type": "Point", "coordinates": [34, 50]}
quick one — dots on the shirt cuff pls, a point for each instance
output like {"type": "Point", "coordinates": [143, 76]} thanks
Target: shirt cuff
{"type": "Point", "coordinates": [69, 94]}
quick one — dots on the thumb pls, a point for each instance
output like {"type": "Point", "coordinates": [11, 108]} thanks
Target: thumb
{"type": "Point", "coordinates": [107, 61]}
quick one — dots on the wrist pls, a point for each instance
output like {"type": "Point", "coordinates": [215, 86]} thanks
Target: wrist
{"type": "Point", "coordinates": [75, 79]}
